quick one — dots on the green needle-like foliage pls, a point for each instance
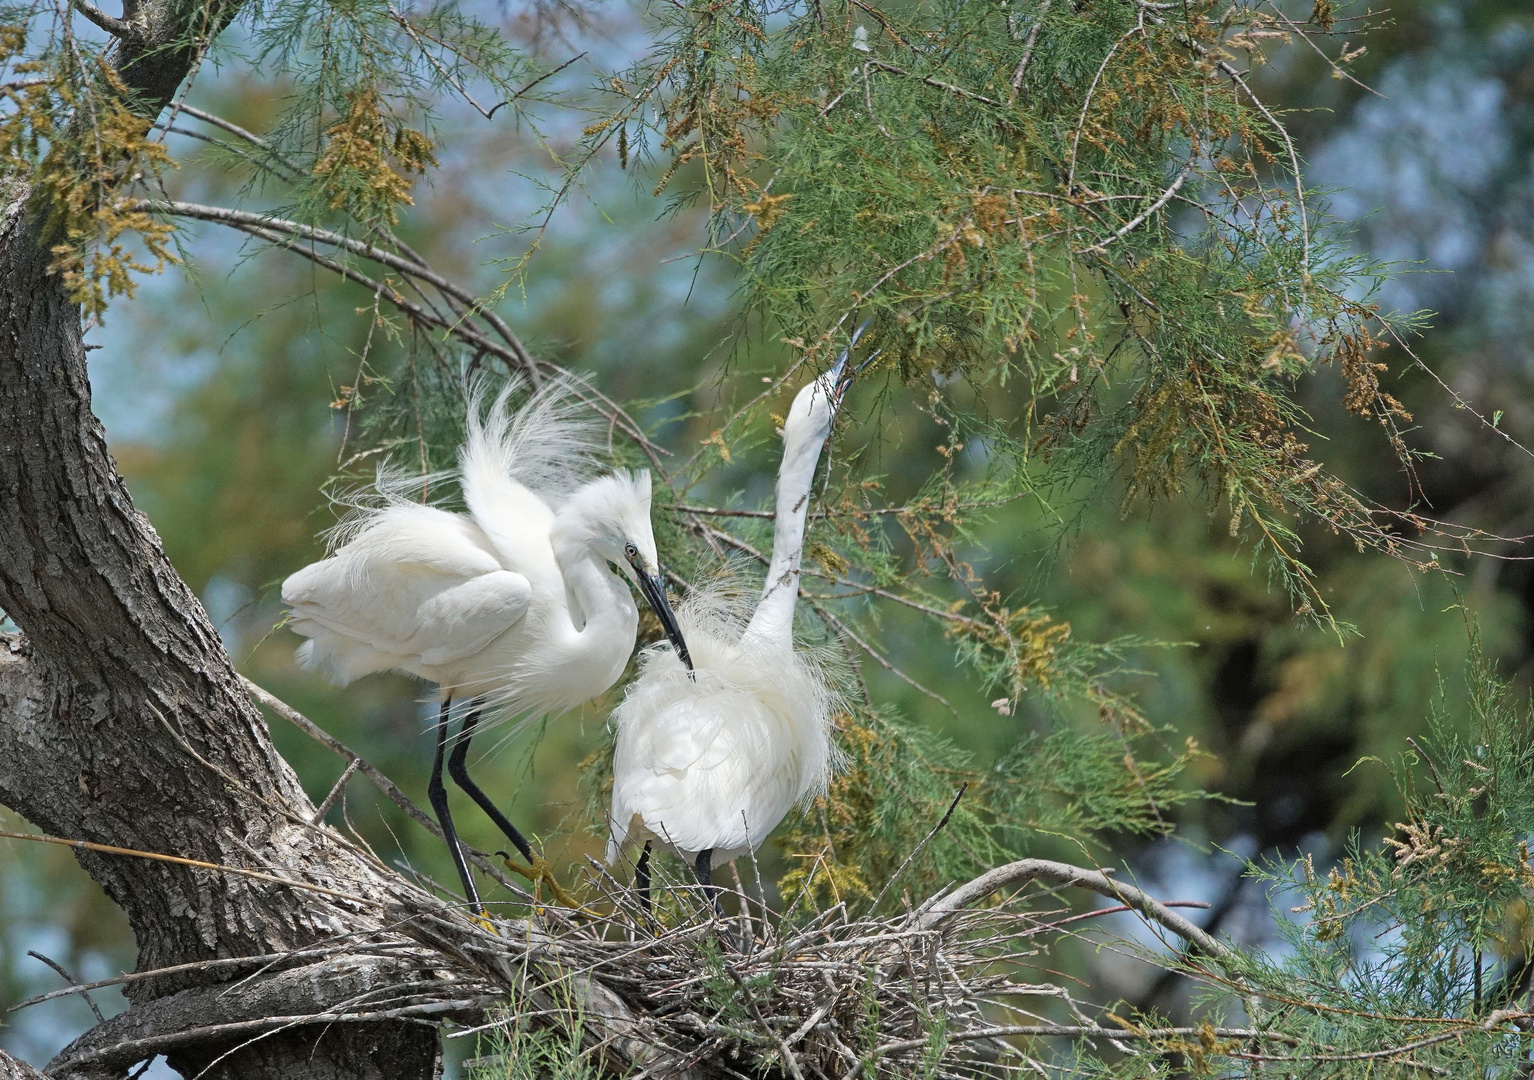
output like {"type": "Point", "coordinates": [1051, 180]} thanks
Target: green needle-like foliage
{"type": "Point", "coordinates": [1088, 199]}
{"type": "Point", "coordinates": [1409, 957]}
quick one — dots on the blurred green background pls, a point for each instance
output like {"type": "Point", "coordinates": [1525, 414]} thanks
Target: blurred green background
{"type": "Point", "coordinates": [216, 383]}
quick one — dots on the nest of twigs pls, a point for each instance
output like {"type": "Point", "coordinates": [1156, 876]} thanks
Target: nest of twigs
{"type": "Point", "coordinates": [940, 989]}
{"type": "Point", "coordinates": [945, 988]}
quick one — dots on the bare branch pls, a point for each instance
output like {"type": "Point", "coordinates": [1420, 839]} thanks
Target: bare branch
{"type": "Point", "coordinates": [248, 221]}
{"type": "Point", "coordinates": [950, 87]}
{"type": "Point", "coordinates": [935, 913]}
{"type": "Point", "coordinates": [74, 983]}
{"type": "Point", "coordinates": [1139, 219]}
{"type": "Point", "coordinates": [1022, 63]}
{"type": "Point", "coordinates": [112, 25]}
{"type": "Point", "coordinates": [286, 234]}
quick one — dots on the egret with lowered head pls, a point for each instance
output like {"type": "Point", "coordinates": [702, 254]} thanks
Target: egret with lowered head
{"type": "Point", "coordinates": [709, 761]}
{"type": "Point", "coordinates": [510, 604]}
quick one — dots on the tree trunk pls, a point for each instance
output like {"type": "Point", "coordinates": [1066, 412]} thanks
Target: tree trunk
{"type": "Point", "coordinates": [122, 720]}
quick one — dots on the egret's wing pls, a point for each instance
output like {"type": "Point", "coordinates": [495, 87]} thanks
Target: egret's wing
{"type": "Point", "coordinates": [715, 758]}
{"type": "Point", "coordinates": [661, 744]}
{"type": "Point", "coordinates": [417, 588]}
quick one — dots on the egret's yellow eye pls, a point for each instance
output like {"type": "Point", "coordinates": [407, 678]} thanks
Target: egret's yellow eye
{"type": "Point", "coordinates": [631, 551]}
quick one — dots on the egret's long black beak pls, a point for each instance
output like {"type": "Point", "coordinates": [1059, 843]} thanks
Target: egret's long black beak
{"type": "Point", "coordinates": [842, 374]}
{"type": "Point", "coordinates": [653, 586]}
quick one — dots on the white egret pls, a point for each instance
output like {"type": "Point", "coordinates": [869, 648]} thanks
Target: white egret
{"type": "Point", "coordinates": [511, 604]}
{"type": "Point", "coordinates": [710, 758]}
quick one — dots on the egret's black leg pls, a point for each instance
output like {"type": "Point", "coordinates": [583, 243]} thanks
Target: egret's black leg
{"type": "Point", "coordinates": [704, 866]}
{"type": "Point", "coordinates": [458, 768]}
{"type": "Point", "coordinates": [705, 870]}
{"type": "Point", "coordinates": [642, 878]}
{"type": "Point", "coordinates": [437, 793]}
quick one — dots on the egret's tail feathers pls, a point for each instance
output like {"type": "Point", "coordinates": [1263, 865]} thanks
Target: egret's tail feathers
{"type": "Point", "coordinates": [341, 660]}
{"type": "Point", "coordinates": [552, 443]}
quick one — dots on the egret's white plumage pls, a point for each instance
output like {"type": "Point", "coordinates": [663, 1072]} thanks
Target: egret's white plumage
{"type": "Point", "coordinates": [511, 601]}
{"type": "Point", "coordinates": [712, 761]}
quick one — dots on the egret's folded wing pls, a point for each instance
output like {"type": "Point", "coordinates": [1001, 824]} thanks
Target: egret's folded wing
{"type": "Point", "coordinates": [683, 737]}
{"type": "Point", "coordinates": [417, 587]}
{"type": "Point", "coordinates": [460, 621]}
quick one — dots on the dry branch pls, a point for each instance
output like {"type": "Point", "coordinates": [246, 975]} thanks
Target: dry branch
{"type": "Point", "coordinates": [940, 910]}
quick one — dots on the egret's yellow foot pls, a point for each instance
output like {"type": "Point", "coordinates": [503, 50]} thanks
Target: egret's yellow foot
{"type": "Point", "coordinates": [541, 872]}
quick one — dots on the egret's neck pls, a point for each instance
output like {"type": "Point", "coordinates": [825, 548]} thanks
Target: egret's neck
{"type": "Point", "coordinates": [598, 599]}
{"type": "Point", "coordinates": [774, 617]}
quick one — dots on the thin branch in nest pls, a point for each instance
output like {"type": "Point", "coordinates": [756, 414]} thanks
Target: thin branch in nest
{"type": "Point", "coordinates": [917, 850]}
{"type": "Point", "coordinates": [258, 875]}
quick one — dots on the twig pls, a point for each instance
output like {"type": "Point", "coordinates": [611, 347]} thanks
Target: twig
{"type": "Point", "coordinates": [74, 983]}
{"type": "Point", "coordinates": [1022, 64]}
{"type": "Point", "coordinates": [952, 89]}
{"type": "Point", "coordinates": [846, 631]}
{"type": "Point", "coordinates": [111, 24]}
{"type": "Point", "coordinates": [174, 969]}
{"type": "Point", "coordinates": [239, 132]}
{"type": "Point", "coordinates": [1135, 223]}
{"type": "Point", "coordinates": [935, 913]}
{"type": "Point", "coordinates": [783, 1048]}
{"type": "Point", "coordinates": [915, 851]}
{"type": "Point", "coordinates": [247, 221]}
{"type": "Point", "coordinates": [335, 791]}
{"type": "Point", "coordinates": [109, 849]}
{"type": "Point", "coordinates": [1089, 1032]}
{"type": "Point", "coordinates": [1493, 1021]}
{"type": "Point", "coordinates": [535, 82]}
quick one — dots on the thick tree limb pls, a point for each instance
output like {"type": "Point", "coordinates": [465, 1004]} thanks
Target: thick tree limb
{"type": "Point", "coordinates": [123, 721]}
{"type": "Point", "coordinates": [229, 1014]}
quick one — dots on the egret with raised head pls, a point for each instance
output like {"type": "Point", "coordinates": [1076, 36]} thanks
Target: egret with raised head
{"type": "Point", "coordinates": [710, 758]}
{"type": "Point", "coordinates": [511, 604]}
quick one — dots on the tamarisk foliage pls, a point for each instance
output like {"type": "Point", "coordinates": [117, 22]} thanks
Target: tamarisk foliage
{"type": "Point", "coordinates": [1089, 201]}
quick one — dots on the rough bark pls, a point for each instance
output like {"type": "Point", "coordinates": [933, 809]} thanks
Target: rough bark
{"type": "Point", "coordinates": [11, 1069]}
{"type": "Point", "coordinates": [122, 720]}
